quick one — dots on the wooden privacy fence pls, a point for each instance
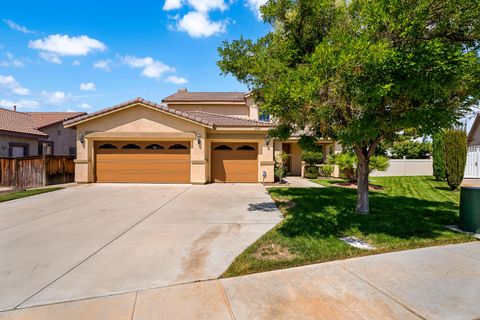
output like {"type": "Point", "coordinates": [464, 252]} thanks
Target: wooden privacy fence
{"type": "Point", "coordinates": [36, 171]}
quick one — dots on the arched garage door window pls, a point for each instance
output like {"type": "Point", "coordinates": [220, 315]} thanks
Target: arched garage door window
{"type": "Point", "coordinates": [178, 147]}
{"type": "Point", "coordinates": [246, 147]}
{"type": "Point", "coordinates": [223, 147]}
{"type": "Point", "coordinates": [131, 146]}
{"type": "Point", "coordinates": [107, 146]}
{"type": "Point", "coordinates": [154, 146]}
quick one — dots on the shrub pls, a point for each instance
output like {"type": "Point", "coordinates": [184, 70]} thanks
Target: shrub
{"type": "Point", "coordinates": [326, 170]}
{"type": "Point", "coordinates": [411, 150]}
{"type": "Point", "coordinates": [279, 173]}
{"type": "Point", "coordinates": [312, 157]}
{"type": "Point", "coordinates": [347, 164]}
{"type": "Point", "coordinates": [311, 172]}
{"type": "Point", "coordinates": [438, 155]}
{"type": "Point", "coordinates": [455, 141]}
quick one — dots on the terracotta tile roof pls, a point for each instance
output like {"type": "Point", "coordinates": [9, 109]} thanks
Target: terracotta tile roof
{"type": "Point", "coordinates": [43, 119]}
{"type": "Point", "coordinates": [220, 120]}
{"type": "Point", "coordinates": [18, 122]}
{"type": "Point", "coordinates": [208, 119]}
{"type": "Point", "coordinates": [186, 96]}
{"type": "Point", "coordinates": [474, 128]}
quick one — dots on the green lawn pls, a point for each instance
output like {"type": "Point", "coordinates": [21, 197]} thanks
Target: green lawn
{"type": "Point", "coordinates": [410, 212]}
{"type": "Point", "coordinates": [25, 193]}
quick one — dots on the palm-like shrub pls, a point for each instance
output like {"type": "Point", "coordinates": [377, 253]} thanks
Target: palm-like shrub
{"type": "Point", "coordinates": [347, 164]}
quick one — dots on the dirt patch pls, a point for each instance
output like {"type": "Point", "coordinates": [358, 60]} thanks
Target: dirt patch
{"type": "Point", "coordinates": [354, 186]}
{"type": "Point", "coordinates": [273, 251]}
{"type": "Point", "coordinates": [286, 204]}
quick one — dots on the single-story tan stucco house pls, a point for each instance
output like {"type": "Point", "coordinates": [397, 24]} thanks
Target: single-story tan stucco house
{"type": "Point", "coordinates": [191, 137]}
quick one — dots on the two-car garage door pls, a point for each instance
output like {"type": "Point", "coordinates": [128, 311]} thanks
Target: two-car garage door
{"type": "Point", "coordinates": [147, 162]}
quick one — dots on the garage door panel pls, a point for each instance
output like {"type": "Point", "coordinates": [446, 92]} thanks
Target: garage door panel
{"type": "Point", "coordinates": [143, 165]}
{"type": "Point", "coordinates": [234, 165]}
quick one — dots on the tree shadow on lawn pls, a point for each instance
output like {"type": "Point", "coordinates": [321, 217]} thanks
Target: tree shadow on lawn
{"type": "Point", "coordinates": [321, 213]}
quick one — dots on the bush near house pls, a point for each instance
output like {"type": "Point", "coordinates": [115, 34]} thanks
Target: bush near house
{"type": "Point", "coordinates": [326, 170]}
{"type": "Point", "coordinates": [312, 159]}
{"type": "Point", "coordinates": [455, 156]}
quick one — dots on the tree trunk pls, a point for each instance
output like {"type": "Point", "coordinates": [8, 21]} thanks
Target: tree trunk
{"type": "Point", "coordinates": [362, 178]}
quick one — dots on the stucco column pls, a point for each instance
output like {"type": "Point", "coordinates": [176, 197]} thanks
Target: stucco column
{"type": "Point", "coordinates": [266, 161]}
{"type": "Point", "coordinates": [83, 163]}
{"type": "Point", "coordinates": [198, 158]}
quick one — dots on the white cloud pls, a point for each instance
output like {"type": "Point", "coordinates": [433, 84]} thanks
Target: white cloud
{"type": "Point", "coordinates": [21, 104]}
{"type": "Point", "coordinates": [176, 80]}
{"type": "Point", "coordinates": [50, 57]}
{"type": "Point", "coordinates": [84, 106]}
{"type": "Point", "coordinates": [103, 64]}
{"type": "Point", "coordinates": [56, 45]}
{"type": "Point", "coordinates": [197, 24]}
{"type": "Point", "coordinates": [197, 5]}
{"type": "Point", "coordinates": [255, 5]}
{"type": "Point", "coordinates": [172, 5]}
{"type": "Point", "coordinates": [207, 5]}
{"type": "Point", "coordinates": [89, 86]}
{"type": "Point", "coordinates": [13, 85]}
{"type": "Point", "coordinates": [151, 68]}
{"type": "Point", "coordinates": [16, 26]}
{"type": "Point", "coordinates": [56, 97]}
{"type": "Point", "coordinates": [76, 63]}
{"type": "Point", "coordinates": [11, 61]}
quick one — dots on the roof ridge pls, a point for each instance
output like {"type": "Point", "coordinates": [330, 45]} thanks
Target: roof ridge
{"type": "Point", "coordinates": [225, 115]}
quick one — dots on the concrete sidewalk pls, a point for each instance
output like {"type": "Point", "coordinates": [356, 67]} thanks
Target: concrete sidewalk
{"type": "Point", "coordinates": [430, 283]}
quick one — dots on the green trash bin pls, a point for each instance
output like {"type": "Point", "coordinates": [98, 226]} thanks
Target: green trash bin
{"type": "Point", "coordinates": [470, 209]}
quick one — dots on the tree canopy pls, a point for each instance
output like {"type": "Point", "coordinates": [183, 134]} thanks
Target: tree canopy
{"type": "Point", "coordinates": [358, 72]}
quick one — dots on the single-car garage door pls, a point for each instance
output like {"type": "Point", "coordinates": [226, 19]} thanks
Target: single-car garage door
{"type": "Point", "coordinates": [142, 162]}
{"type": "Point", "coordinates": [234, 162]}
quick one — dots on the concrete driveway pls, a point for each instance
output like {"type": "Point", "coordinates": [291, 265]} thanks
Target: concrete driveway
{"type": "Point", "coordinates": [102, 239]}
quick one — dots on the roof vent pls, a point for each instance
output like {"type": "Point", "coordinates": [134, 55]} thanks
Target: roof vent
{"type": "Point", "coordinates": [182, 90]}
{"type": "Point", "coordinates": [15, 108]}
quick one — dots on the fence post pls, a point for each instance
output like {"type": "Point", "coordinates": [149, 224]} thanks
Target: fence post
{"type": "Point", "coordinates": [44, 164]}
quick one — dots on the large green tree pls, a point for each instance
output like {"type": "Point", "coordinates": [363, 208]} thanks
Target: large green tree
{"type": "Point", "coordinates": [362, 70]}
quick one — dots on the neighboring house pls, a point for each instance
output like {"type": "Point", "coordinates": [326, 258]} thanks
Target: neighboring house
{"type": "Point", "coordinates": [472, 168]}
{"type": "Point", "coordinates": [192, 137]}
{"type": "Point", "coordinates": [474, 134]}
{"type": "Point", "coordinates": [36, 133]}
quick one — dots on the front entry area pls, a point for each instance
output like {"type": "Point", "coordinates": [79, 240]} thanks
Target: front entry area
{"type": "Point", "coordinates": [234, 162]}
{"type": "Point", "coordinates": [142, 161]}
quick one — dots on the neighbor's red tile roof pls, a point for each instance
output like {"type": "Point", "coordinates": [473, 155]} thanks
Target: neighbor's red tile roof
{"type": "Point", "coordinates": [43, 119]}
{"type": "Point", "coordinates": [205, 118]}
{"type": "Point", "coordinates": [186, 96]}
{"type": "Point", "coordinates": [31, 122]}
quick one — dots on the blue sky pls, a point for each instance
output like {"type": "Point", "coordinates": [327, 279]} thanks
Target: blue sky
{"type": "Point", "coordinates": [87, 55]}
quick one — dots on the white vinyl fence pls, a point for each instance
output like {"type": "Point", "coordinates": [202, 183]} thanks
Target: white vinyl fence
{"type": "Point", "coordinates": [472, 169]}
{"type": "Point", "coordinates": [406, 167]}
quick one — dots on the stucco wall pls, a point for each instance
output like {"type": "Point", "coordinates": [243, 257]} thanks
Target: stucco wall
{"type": "Point", "coordinates": [61, 142]}
{"type": "Point", "coordinates": [5, 140]}
{"type": "Point", "coordinates": [240, 110]}
{"type": "Point", "coordinates": [406, 167]}
{"type": "Point", "coordinates": [296, 159]}
{"type": "Point", "coordinates": [137, 119]}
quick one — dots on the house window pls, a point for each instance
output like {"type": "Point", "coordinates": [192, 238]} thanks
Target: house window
{"type": "Point", "coordinates": [264, 116]}
{"type": "Point", "coordinates": [107, 146]}
{"type": "Point", "coordinates": [131, 146]}
{"type": "Point", "coordinates": [222, 147]}
{"type": "Point", "coordinates": [178, 147]}
{"type": "Point", "coordinates": [246, 147]}
{"type": "Point", "coordinates": [154, 146]}
{"type": "Point", "coordinates": [18, 149]}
